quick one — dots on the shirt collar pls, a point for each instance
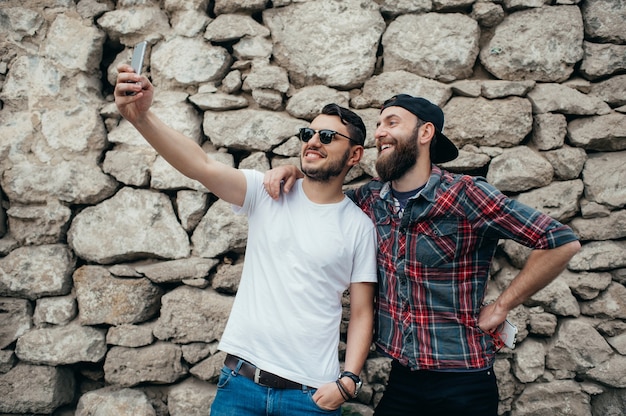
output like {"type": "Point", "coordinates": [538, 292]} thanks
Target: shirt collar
{"type": "Point", "coordinates": [429, 191]}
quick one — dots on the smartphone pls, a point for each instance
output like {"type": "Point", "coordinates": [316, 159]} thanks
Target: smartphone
{"type": "Point", "coordinates": [507, 332]}
{"type": "Point", "coordinates": [137, 61]}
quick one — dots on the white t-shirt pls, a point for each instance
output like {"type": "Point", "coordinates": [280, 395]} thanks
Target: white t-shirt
{"type": "Point", "coordinates": [300, 258]}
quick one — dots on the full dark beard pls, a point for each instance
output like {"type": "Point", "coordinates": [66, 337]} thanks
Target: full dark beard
{"type": "Point", "coordinates": [324, 174]}
{"type": "Point", "coordinates": [392, 166]}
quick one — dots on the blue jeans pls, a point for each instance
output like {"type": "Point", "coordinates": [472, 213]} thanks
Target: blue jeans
{"type": "Point", "coordinates": [431, 393]}
{"type": "Point", "coordinates": [240, 396]}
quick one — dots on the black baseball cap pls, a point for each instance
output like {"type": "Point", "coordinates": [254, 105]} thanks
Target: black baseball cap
{"type": "Point", "coordinates": [444, 150]}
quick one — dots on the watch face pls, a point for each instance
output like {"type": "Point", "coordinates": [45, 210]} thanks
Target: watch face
{"type": "Point", "coordinates": [359, 384]}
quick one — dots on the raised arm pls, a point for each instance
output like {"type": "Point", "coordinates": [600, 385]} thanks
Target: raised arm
{"type": "Point", "coordinates": [181, 152]}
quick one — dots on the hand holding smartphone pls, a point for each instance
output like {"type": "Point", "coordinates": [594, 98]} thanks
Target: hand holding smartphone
{"type": "Point", "coordinates": [137, 60]}
{"type": "Point", "coordinates": [507, 332]}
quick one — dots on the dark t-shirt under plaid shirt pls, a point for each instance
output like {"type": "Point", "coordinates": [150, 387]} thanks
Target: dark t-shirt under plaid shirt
{"type": "Point", "coordinates": [433, 264]}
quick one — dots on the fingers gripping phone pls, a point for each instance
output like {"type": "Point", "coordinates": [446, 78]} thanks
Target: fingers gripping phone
{"type": "Point", "coordinates": [137, 60]}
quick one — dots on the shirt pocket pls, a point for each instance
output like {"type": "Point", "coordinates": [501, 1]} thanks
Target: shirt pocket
{"type": "Point", "coordinates": [383, 229]}
{"type": "Point", "coordinates": [436, 242]}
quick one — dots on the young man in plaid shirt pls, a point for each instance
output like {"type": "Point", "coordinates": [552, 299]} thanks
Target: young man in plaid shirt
{"type": "Point", "coordinates": [437, 235]}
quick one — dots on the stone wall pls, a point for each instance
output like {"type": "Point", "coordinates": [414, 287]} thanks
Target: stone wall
{"type": "Point", "coordinates": [117, 273]}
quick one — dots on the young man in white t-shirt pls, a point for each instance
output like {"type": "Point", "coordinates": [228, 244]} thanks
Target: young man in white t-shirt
{"type": "Point", "coordinates": [303, 252]}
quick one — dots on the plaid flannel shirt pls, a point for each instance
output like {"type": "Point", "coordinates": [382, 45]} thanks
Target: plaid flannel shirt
{"type": "Point", "coordinates": [434, 261]}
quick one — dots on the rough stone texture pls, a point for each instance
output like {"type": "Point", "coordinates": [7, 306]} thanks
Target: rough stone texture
{"type": "Point", "coordinates": [35, 389]}
{"type": "Point", "coordinates": [518, 49]}
{"type": "Point", "coordinates": [159, 363]}
{"type": "Point", "coordinates": [62, 345]}
{"type": "Point", "coordinates": [103, 298]}
{"type": "Point", "coordinates": [409, 40]}
{"type": "Point", "coordinates": [111, 401]}
{"type": "Point", "coordinates": [118, 272]}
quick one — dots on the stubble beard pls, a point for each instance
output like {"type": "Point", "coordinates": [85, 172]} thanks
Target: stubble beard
{"type": "Point", "coordinates": [326, 173]}
{"type": "Point", "coordinates": [394, 165]}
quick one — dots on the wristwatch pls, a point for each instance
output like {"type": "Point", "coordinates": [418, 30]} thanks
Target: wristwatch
{"type": "Point", "coordinates": [357, 381]}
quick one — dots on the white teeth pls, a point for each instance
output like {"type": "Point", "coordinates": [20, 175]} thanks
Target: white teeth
{"type": "Point", "coordinates": [385, 146]}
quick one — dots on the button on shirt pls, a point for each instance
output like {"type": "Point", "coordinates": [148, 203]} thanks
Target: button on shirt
{"type": "Point", "coordinates": [433, 265]}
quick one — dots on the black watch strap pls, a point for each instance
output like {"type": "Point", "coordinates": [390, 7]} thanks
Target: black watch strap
{"type": "Point", "coordinates": [355, 378]}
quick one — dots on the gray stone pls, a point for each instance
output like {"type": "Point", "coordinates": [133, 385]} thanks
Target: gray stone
{"type": "Point", "coordinates": [43, 271]}
{"type": "Point", "coordinates": [529, 360]}
{"type": "Point", "coordinates": [609, 190]}
{"type": "Point", "coordinates": [518, 49]}
{"type": "Point", "coordinates": [218, 102]}
{"type": "Point", "coordinates": [86, 42]}
{"type": "Point", "coordinates": [147, 218]}
{"type": "Point", "coordinates": [227, 278]}
{"type": "Point", "coordinates": [557, 98]}
{"type": "Point", "coordinates": [58, 310]}
{"type": "Point", "coordinates": [308, 102]}
{"type": "Point", "coordinates": [192, 315]}
{"type": "Point", "coordinates": [114, 401]}
{"type": "Point", "coordinates": [555, 398]}
{"type": "Point", "coordinates": [19, 22]}
{"type": "Point", "coordinates": [549, 131]}
{"type": "Point", "coordinates": [61, 345]}
{"type": "Point", "coordinates": [315, 53]}
{"type": "Point", "coordinates": [204, 62]}
{"type": "Point", "coordinates": [209, 368]}
{"type": "Point", "coordinates": [160, 363]}
{"type": "Point", "coordinates": [604, 20]}
{"type": "Point", "coordinates": [611, 373]}
{"type": "Point", "coordinates": [133, 24]}
{"type": "Point", "coordinates": [228, 27]}
{"type": "Point", "coordinates": [599, 256]}
{"type": "Point", "coordinates": [129, 335]}
{"type": "Point", "coordinates": [568, 162]}
{"type": "Point", "coordinates": [250, 129]}
{"type": "Point", "coordinates": [612, 90]}
{"type": "Point", "coordinates": [234, 6]}
{"type": "Point", "coordinates": [219, 231]}
{"type": "Point", "coordinates": [481, 122]}
{"type": "Point", "coordinates": [607, 132]}
{"type": "Point", "coordinates": [381, 87]}
{"type": "Point", "coordinates": [15, 320]}
{"type": "Point", "coordinates": [602, 59]}
{"type": "Point", "coordinates": [439, 46]}
{"type": "Point", "coordinates": [103, 298]}
{"type": "Point", "coordinates": [586, 285]}
{"type": "Point", "coordinates": [519, 169]}
{"type": "Point", "coordinates": [611, 227]}
{"type": "Point", "coordinates": [191, 397]}
{"type": "Point", "coordinates": [39, 224]}
{"type": "Point", "coordinates": [611, 303]}
{"type": "Point", "coordinates": [195, 352]}
{"type": "Point", "coordinates": [558, 199]}
{"type": "Point", "coordinates": [177, 270]}
{"type": "Point", "coordinates": [36, 389]}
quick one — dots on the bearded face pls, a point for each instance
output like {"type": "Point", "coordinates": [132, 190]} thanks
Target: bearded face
{"type": "Point", "coordinates": [327, 171]}
{"type": "Point", "coordinates": [394, 163]}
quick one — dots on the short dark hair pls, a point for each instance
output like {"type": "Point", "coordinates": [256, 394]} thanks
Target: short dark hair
{"type": "Point", "coordinates": [352, 120]}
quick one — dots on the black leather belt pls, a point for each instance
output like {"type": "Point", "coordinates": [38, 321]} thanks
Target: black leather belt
{"type": "Point", "coordinates": [259, 376]}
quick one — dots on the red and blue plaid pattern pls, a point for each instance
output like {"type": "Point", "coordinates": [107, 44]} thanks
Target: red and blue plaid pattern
{"type": "Point", "coordinates": [433, 265]}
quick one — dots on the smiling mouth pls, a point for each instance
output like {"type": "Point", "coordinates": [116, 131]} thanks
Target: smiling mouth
{"type": "Point", "coordinates": [312, 154]}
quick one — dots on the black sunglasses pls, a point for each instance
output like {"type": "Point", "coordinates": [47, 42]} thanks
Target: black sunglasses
{"type": "Point", "coordinates": [326, 136]}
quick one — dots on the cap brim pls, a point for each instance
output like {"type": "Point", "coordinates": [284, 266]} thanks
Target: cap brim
{"type": "Point", "coordinates": [444, 151]}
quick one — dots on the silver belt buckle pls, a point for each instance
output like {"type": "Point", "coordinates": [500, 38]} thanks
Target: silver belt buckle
{"type": "Point", "coordinates": [257, 375]}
